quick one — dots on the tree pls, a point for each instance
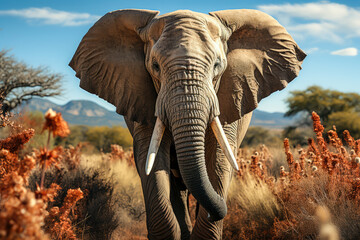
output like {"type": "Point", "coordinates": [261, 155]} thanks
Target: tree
{"type": "Point", "coordinates": [19, 82]}
{"type": "Point", "coordinates": [334, 108]}
{"type": "Point", "coordinates": [323, 101]}
{"type": "Point", "coordinates": [346, 121]}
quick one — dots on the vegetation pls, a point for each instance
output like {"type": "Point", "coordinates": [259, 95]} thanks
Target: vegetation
{"type": "Point", "coordinates": [101, 138]}
{"type": "Point", "coordinates": [258, 135]}
{"type": "Point", "coordinates": [60, 192]}
{"type": "Point", "coordinates": [346, 121]}
{"type": "Point", "coordinates": [22, 211]}
{"type": "Point", "coordinates": [20, 82]}
{"type": "Point", "coordinates": [298, 202]}
{"type": "Point", "coordinates": [333, 107]}
{"type": "Point", "coordinates": [298, 136]}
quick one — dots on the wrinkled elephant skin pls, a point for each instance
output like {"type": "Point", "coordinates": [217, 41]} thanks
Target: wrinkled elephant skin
{"type": "Point", "coordinates": [191, 73]}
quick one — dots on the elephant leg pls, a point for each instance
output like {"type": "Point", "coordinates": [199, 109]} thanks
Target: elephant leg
{"type": "Point", "coordinates": [179, 197]}
{"type": "Point", "coordinates": [179, 200]}
{"type": "Point", "coordinates": [160, 218]}
{"type": "Point", "coordinates": [220, 174]}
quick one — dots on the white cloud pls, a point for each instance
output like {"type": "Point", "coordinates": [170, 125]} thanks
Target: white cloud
{"type": "Point", "coordinates": [52, 16]}
{"type": "Point", "coordinates": [311, 50]}
{"type": "Point", "coordinates": [346, 52]}
{"type": "Point", "coordinates": [323, 20]}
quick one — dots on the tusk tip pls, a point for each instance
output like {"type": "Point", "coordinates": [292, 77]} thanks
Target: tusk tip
{"type": "Point", "coordinates": [154, 145]}
{"type": "Point", "coordinates": [235, 165]}
{"type": "Point", "coordinates": [149, 163]}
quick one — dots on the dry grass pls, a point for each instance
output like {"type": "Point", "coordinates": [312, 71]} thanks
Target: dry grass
{"type": "Point", "coordinates": [323, 176]}
{"type": "Point", "coordinates": [252, 209]}
{"type": "Point", "coordinates": [249, 193]}
{"type": "Point", "coordinates": [130, 209]}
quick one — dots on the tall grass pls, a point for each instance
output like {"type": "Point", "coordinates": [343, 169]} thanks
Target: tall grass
{"type": "Point", "coordinates": [128, 200]}
{"type": "Point", "coordinates": [290, 203]}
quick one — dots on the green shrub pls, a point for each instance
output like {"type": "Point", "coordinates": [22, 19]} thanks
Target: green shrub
{"type": "Point", "coordinates": [102, 137]}
{"type": "Point", "coordinates": [259, 135]}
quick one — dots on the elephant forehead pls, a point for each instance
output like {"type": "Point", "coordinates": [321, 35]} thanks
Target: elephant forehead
{"type": "Point", "coordinates": [188, 20]}
{"type": "Point", "coordinates": [183, 14]}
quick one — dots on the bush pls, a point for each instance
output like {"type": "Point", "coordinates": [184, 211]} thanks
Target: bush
{"type": "Point", "coordinates": [129, 203]}
{"type": "Point", "coordinates": [259, 135]}
{"type": "Point", "coordinates": [316, 183]}
{"type": "Point", "coordinates": [77, 134]}
{"type": "Point", "coordinates": [99, 136]}
{"type": "Point", "coordinates": [96, 215]}
{"type": "Point", "coordinates": [103, 137]}
{"type": "Point", "coordinates": [297, 136]}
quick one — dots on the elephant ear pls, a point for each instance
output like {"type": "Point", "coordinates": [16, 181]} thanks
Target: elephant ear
{"type": "Point", "coordinates": [262, 58]}
{"type": "Point", "coordinates": [110, 63]}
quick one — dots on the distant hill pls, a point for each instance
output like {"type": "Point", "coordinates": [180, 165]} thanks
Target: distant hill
{"type": "Point", "coordinates": [271, 120]}
{"type": "Point", "coordinates": [84, 112]}
{"type": "Point", "coordinates": [78, 112]}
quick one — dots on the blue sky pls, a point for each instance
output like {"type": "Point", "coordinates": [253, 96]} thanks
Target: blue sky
{"type": "Point", "coordinates": [47, 33]}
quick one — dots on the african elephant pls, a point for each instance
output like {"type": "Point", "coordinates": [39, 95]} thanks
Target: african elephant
{"type": "Point", "coordinates": [187, 84]}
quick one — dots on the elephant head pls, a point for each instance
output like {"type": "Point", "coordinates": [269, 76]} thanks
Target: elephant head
{"type": "Point", "coordinates": [189, 71]}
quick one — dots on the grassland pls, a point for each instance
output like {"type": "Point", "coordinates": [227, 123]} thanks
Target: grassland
{"type": "Point", "coordinates": [279, 193]}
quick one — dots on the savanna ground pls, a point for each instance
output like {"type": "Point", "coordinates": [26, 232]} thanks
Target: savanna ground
{"type": "Point", "coordinates": [59, 191]}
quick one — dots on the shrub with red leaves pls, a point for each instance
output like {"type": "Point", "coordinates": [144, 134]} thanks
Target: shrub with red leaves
{"type": "Point", "coordinates": [325, 174]}
{"type": "Point", "coordinates": [56, 124]}
{"type": "Point", "coordinates": [16, 142]}
{"type": "Point", "coordinates": [60, 220]}
{"type": "Point", "coordinates": [23, 212]}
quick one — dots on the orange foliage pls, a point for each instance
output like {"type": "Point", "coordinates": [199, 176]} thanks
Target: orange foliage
{"type": "Point", "coordinates": [117, 152]}
{"type": "Point", "coordinates": [323, 168]}
{"type": "Point", "coordinates": [16, 142]}
{"type": "Point", "coordinates": [71, 156]}
{"type": "Point", "coordinates": [60, 222]}
{"type": "Point", "coordinates": [49, 158]}
{"type": "Point", "coordinates": [56, 124]}
{"type": "Point", "coordinates": [23, 212]}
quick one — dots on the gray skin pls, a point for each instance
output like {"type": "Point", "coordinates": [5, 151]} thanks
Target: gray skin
{"type": "Point", "coordinates": [186, 68]}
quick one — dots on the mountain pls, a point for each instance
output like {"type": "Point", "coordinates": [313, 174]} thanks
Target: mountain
{"type": "Point", "coordinates": [271, 120]}
{"type": "Point", "coordinates": [78, 112]}
{"type": "Point", "coordinates": [83, 112]}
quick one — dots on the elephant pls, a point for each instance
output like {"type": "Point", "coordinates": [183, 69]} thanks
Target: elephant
{"type": "Point", "coordinates": [187, 84]}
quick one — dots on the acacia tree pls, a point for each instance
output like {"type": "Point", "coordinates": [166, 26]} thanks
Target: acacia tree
{"type": "Point", "coordinates": [20, 82]}
{"type": "Point", "coordinates": [334, 108]}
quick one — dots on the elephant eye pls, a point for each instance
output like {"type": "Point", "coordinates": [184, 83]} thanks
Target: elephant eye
{"type": "Point", "coordinates": [156, 66]}
{"type": "Point", "coordinates": [217, 63]}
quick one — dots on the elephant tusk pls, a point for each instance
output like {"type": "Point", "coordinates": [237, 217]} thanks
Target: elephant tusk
{"type": "Point", "coordinates": [223, 142]}
{"type": "Point", "coordinates": [154, 145]}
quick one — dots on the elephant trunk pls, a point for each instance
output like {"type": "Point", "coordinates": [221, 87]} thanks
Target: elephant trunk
{"type": "Point", "coordinates": [190, 149]}
{"type": "Point", "coordinates": [190, 108]}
